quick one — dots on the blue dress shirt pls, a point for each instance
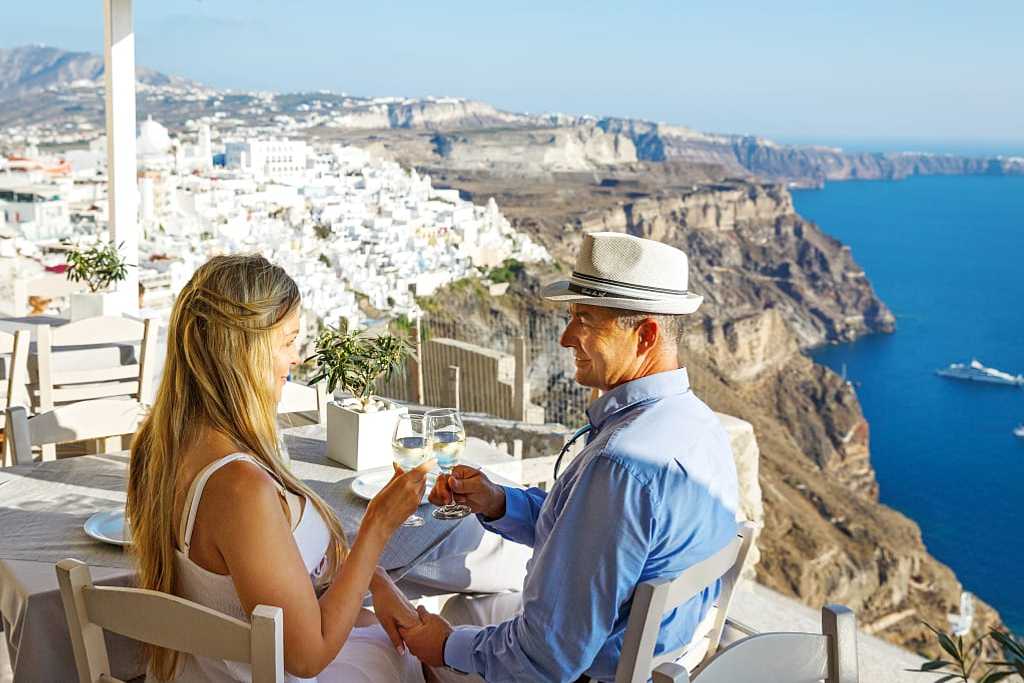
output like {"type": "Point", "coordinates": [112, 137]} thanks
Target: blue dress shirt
{"type": "Point", "coordinates": [653, 492]}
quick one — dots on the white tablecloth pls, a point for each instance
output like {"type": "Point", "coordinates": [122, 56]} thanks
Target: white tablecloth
{"type": "Point", "coordinates": [43, 507]}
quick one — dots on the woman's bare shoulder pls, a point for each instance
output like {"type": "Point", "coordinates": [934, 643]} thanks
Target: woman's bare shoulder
{"type": "Point", "coordinates": [244, 488]}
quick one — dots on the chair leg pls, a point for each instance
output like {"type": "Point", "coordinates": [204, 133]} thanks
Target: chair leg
{"type": "Point", "coordinates": [670, 672]}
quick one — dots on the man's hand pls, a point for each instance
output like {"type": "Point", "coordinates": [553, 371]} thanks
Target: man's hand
{"type": "Point", "coordinates": [470, 487]}
{"type": "Point", "coordinates": [427, 640]}
{"type": "Point", "coordinates": [393, 609]}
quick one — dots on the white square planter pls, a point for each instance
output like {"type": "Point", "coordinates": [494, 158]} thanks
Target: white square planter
{"type": "Point", "coordinates": [90, 305]}
{"type": "Point", "coordinates": [359, 440]}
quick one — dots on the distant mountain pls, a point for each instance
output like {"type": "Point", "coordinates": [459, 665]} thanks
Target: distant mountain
{"type": "Point", "coordinates": [56, 95]}
{"type": "Point", "coordinates": [37, 67]}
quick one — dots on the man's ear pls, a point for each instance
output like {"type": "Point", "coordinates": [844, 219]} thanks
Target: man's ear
{"type": "Point", "coordinates": [648, 334]}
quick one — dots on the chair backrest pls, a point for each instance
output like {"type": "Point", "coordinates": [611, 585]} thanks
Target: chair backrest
{"type": "Point", "coordinates": [54, 387]}
{"type": "Point", "coordinates": [166, 621]}
{"type": "Point", "coordinates": [829, 656]}
{"type": "Point", "coordinates": [302, 398]}
{"type": "Point", "coordinates": [80, 421]}
{"type": "Point", "coordinates": [653, 599]}
{"type": "Point", "coordinates": [17, 347]}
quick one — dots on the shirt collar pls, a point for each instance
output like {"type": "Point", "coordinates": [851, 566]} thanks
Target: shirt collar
{"type": "Point", "coordinates": [624, 396]}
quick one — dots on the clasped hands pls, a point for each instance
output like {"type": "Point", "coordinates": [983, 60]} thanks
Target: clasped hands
{"type": "Point", "coordinates": [423, 632]}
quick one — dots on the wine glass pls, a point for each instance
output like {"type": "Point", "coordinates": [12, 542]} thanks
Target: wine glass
{"type": "Point", "coordinates": [410, 447]}
{"type": "Point", "coordinates": [448, 438]}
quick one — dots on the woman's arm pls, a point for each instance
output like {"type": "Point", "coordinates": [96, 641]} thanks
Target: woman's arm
{"type": "Point", "coordinates": [242, 507]}
{"type": "Point", "coordinates": [392, 608]}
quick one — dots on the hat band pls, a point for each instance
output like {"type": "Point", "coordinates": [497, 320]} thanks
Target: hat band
{"type": "Point", "coordinates": [628, 285]}
{"type": "Point", "coordinates": [600, 293]}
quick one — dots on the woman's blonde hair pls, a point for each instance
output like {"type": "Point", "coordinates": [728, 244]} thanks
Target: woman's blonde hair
{"type": "Point", "coordinates": [218, 375]}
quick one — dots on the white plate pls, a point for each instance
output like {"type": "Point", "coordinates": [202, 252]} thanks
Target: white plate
{"type": "Point", "coordinates": [108, 527]}
{"type": "Point", "coordinates": [369, 483]}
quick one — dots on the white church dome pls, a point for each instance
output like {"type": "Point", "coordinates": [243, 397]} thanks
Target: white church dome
{"type": "Point", "coordinates": [153, 138]}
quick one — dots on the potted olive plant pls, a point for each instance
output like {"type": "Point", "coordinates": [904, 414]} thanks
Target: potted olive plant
{"type": "Point", "coordinates": [359, 428]}
{"type": "Point", "coordinates": [99, 267]}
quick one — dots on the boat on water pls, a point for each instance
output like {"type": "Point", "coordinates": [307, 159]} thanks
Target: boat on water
{"type": "Point", "coordinates": [1019, 430]}
{"type": "Point", "coordinates": [976, 372]}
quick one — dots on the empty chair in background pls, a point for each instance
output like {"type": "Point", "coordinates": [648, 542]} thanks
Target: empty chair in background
{"type": "Point", "coordinates": [91, 359]}
{"type": "Point", "coordinates": [16, 348]}
{"type": "Point", "coordinates": [81, 421]}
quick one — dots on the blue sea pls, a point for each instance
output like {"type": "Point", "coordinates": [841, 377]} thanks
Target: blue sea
{"type": "Point", "coordinates": [947, 255]}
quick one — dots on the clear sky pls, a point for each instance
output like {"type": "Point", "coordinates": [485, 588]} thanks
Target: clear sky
{"type": "Point", "coordinates": [934, 71]}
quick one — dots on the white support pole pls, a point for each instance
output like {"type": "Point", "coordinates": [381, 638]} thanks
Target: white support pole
{"type": "Point", "coordinates": [122, 172]}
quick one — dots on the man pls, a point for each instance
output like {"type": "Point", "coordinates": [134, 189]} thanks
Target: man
{"type": "Point", "coordinates": [652, 493]}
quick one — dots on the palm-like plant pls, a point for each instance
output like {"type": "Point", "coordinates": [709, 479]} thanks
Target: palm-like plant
{"type": "Point", "coordinates": [964, 660]}
{"type": "Point", "coordinates": [355, 361]}
{"type": "Point", "coordinates": [99, 266]}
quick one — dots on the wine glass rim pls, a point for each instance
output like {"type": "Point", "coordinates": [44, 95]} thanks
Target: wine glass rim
{"type": "Point", "coordinates": [441, 411]}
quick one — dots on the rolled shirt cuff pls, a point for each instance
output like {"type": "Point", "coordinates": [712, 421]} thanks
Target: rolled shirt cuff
{"type": "Point", "coordinates": [517, 513]}
{"type": "Point", "coordinates": [458, 649]}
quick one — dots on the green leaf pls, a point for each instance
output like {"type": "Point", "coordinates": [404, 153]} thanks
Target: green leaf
{"type": "Point", "coordinates": [949, 646]}
{"type": "Point", "coordinates": [1009, 643]}
{"type": "Point", "coordinates": [933, 665]}
{"type": "Point", "coordinates": [993, 676]}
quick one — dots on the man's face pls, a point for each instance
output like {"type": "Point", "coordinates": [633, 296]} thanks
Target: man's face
{"type": "Point", "coordinates": [606, 354]}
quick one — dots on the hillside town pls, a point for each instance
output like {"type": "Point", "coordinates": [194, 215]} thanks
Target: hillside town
{"type": "Point", "coordinates": [361, 235]}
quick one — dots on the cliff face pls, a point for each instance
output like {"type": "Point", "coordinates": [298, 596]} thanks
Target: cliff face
{"type": "Point", "coordinates": [774, 283]}
{"type": "Point", "coordinates": [749, 250]}
{"type": "Point", "coordinates": [826, 537]}
{"type": "Point", "coordinates": [537, 146]}
{"type": "Point", "coordinates": [425, 114]}
{"type": "Point", "coordinates": [817, 164]}
{"type": "Point", "coordinates": [534, 151]}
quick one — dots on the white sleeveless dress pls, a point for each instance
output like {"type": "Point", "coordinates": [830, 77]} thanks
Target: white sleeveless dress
{"type": "Point", "coordinates": [367, 656]}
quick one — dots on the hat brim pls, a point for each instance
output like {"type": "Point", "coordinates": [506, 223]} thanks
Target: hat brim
{"type": "Point", "coordinates": [677, 305]}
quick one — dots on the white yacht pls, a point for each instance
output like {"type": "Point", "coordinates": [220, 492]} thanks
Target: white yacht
{"type": "Point", "coordinates": [1019, 430]}
{"type": "Point", "coordinates": [976, 372]}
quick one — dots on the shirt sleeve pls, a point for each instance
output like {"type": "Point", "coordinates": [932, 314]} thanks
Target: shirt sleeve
{"type": "Point", "coordinates": [580, 577]}
{"type": "Point", "coordinates": [522, 508]}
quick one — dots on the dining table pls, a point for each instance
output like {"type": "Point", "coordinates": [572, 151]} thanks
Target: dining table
{"type": "Point", "coordinates": [44, 505]}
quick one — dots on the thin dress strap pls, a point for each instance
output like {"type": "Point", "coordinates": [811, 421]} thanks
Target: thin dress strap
{"type": "Point", "coordinates": [195, 492]}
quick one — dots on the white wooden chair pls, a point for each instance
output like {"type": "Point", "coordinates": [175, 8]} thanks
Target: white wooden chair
{"type": "Point", "coordinates": [56, 387]}
{"type": "Point", "coordinates": [302, 398]}
{"type": "Point", "coordinates": [653, 599]}
{"type": "Point", "coordinates": [828, 657]}
{"type": "Point", "coordinates": [17, 347]}
{"type": "Point", "coordinates": [82, 421]}
{"type": "Point", "coordinates": [166, 621]}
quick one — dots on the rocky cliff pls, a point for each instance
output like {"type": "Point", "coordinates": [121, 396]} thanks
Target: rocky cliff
{"type": "Point", "coordinates": [746, 154]}
{"type": "Point", "coordinates": [773, 283]}
{"type": "Point", "coordinates": [749, 251]}
{"type": "Point", "coordinates": [425, 114]}
{"type": "Point", "coordinates": [533, 150]}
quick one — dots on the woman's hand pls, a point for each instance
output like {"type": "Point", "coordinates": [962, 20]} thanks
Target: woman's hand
{"type": "Point", "coordinates": [398, 499]}
{"type": "Point", "coordinates": [393, 609]}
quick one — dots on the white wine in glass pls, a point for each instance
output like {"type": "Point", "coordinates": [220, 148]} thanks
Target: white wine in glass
{"type": "Point", "coordinates": [410, 448]}
{"type": "Point", "coordinates": [448, 439]}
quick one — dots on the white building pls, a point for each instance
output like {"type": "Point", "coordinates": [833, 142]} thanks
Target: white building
{"type": "Point", "coordinates": [37, 212]}
{"type": "Point", "coordinates": [267, 159]}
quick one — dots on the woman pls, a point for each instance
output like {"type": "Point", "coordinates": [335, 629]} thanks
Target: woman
{"type": "Point", "coordinates": [218, 520]}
